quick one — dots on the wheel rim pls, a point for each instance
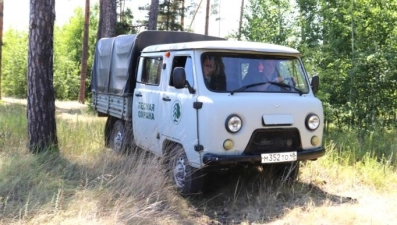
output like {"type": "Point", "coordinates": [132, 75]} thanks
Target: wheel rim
{"type": "Point", "coordinates": [180, 172]}
{"type": "Point", "coordinates": [117, 140]}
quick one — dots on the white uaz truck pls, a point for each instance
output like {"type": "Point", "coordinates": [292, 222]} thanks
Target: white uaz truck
{"type": "Point", "coordinates": [153, 90]}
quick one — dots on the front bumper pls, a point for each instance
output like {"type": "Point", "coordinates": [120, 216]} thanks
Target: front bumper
{"type": "Point", "coordinates": [210, 159]}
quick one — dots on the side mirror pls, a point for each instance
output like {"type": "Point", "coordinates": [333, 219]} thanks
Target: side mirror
{"type": "Point", "coordinates": [179, 77]}
{"type": "Point", "coordinates": [315, 83]}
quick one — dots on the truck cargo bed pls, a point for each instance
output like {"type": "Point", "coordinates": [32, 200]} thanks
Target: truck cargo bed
{"type": "Point", "coordinates": [113, 105]}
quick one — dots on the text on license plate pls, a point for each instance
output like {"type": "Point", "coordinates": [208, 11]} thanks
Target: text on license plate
{"type": "Point", "coordinates": [279, 157]}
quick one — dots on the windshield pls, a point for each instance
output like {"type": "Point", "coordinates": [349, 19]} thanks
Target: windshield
{"type": "Point", "coordinates": [225, 72]}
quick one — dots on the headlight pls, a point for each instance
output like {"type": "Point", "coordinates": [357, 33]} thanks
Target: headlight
{"type": "Point", "coordinates": [312, 121]}
{"type": "Point", "coordinates": [233, 123]}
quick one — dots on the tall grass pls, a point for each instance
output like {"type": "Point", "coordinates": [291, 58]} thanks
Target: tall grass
{"type": "Point", "coordinates": [380, 144]}
{"type": "Point", "coordinates": [85, 183]}
{"type": "Point", "coordinates": [83, 179]}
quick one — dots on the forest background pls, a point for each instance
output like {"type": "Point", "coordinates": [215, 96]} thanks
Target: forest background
{"type": "Point", "coordinates": [351, 45]}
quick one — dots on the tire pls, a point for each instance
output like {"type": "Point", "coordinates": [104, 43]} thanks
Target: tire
{"type": "Point", "coordinates": [108, 130]}
{"type": "Point", "coordinates": [120, 138]}
{"type": "Point", "coordinates": [187, 180]}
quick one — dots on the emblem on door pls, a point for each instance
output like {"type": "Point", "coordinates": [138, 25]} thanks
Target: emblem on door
{"type": "Point", "coordinates": [176, 112]}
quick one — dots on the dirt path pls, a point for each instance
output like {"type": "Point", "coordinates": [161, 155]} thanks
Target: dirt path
{"type": "Point", "coordinates": [63, 105]}
{"type": "Point", "coordinates": [64, 109]}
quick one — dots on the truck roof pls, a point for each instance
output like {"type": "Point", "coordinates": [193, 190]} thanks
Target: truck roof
{"type": "Point", "coordinates": [245, 46]}
{"type": "Point", "coordinates": [115, 58]}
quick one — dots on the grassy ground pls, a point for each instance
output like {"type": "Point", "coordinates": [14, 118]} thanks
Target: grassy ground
{"type": "Point", "coordinates": [355, 183]}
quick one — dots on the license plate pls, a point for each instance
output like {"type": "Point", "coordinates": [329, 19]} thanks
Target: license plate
{"type": "Point", "coordinates": [279, 157]}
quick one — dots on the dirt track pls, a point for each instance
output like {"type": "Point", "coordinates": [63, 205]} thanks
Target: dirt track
{"type": "Point", "coordinates": [64, 109]}
{"type": "Point", "coordinates": [65, 105]}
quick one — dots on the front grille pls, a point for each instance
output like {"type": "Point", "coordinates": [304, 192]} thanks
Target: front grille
{"type": "Point", "coordinates": [273, 140]}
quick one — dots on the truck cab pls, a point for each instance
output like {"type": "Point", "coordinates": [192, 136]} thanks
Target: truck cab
{"type": "Point", "coordinates": [257, 107]}
{"type": "Point", "coordinates": [240, 118]}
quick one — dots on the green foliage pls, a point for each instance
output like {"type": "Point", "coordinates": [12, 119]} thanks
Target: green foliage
{"type": "Point", "coordinates": [351, 45]}
{"type": "Point", "coordinates": [14, 63]}
{"type": "Point", "coordinates": [357, 71]}
{"type": "Point", "coordinates": [125, 25]}
{"type": "Point", "coordinates": [67, 57]}
{"type": "Point", "coordinates": [268, 21]}
{"type": "Point", "coordinates": [373, 101]}
{"type": "Point", "coordinates": [67, 54]}
{"type": "Point", "coordinates": [168, 14]}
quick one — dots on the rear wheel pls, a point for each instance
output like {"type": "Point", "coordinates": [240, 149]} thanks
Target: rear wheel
{"type": "Point", "coordinates": [108, 130]}
{"type": "Point", "coordinates": [188, 180]}
{"type": "Point", "coordinates": [120, 137]}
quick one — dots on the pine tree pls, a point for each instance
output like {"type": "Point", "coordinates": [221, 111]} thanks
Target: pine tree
{"type": "Point", "coordinates": [41, 96]}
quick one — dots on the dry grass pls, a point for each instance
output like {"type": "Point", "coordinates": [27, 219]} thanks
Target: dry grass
{"type": "Point", "coordinates": [88, 184]}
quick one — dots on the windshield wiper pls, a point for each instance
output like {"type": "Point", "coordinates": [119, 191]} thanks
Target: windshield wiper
{"type": "Point", "coordinates": [247, 86]}
{"type": "Point", "coordinates": [284, 86]}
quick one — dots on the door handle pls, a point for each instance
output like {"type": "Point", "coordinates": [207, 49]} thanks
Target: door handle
{"type": "Point", "coordinates": [166, 99]}
{"type": "Point", "coordinates": [138, 94]}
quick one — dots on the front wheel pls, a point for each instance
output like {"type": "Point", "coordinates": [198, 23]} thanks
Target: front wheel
{"type": "Point", "coordinates": [188, 180]}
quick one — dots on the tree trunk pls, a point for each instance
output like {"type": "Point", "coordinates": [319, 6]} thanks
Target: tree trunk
{"type": "Point", "coordinates": [41, 96]}
{"type": "Point", "coordinates": [207, 16]}
{"type": "Point", "coordinates": [167, 14]}
{"type": "Point", "coordinates": [1, 38]}
{"type": "Point", "coordinates": [195, 13]}
{"type": "Point", "coordinates": [153, 13]}
{"type": "Point", "coordinates": [241, 20]}
{"type": "Point", "coordinates": [121, 9]}
{"type": "Point", "coordinates": [84, 52]}
{"type": "Point", "coordinates": [107, 19]}
{"type": "Point", "coordinates": [183, 15]}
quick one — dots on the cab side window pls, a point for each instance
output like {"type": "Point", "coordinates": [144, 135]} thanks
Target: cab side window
{"type": "Point", "coordinates": [185, 62]}
{"type": "Point", "coordinates": [151, 73]}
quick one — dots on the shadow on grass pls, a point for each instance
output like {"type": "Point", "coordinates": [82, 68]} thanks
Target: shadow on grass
{"type": "Point", "coordinates": [31, 184]}
{"type": "Point", "coordinates": [241, 196]}
{"type": "Point", "coordinates": [31, 181]}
